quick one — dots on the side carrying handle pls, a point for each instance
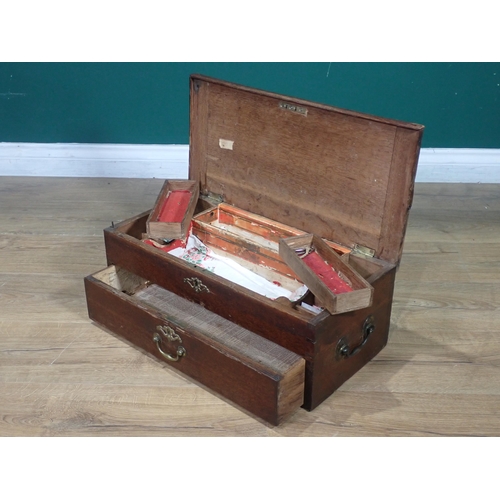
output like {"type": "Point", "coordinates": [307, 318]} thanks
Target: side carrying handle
{"type": "Point", "coordinates": [343, 349]}
{"type": "Point", "coordinates": [171, 336]}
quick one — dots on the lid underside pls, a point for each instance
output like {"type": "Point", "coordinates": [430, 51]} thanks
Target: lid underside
{"type": "Point", "coordinates": [345, 176]}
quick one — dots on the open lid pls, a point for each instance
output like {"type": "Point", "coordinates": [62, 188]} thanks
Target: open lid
{"type": "Point", "coordinates": [345, 176]}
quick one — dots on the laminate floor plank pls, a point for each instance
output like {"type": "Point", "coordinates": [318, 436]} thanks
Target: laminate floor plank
{"type": "Point", "coordinates": [457, 197]}
{"type": "Point", "coordinates": [352, 413]}
{"type": "Point", "coordinates": [446, 262]}
{"type": "Point", "coordinates": [47, 297]}
{"type": "Point", "coordinates": [55, 254]}
{"type": "Point", "coordinates": [61, 375]}
{"type": "Point", "coordinates": [71, 206]}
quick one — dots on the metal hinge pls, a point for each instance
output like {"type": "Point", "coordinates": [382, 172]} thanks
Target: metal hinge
{"type": "Point", "coordinates": [361, 250]}
{"type": "Point", "coordinates": [213, 198]}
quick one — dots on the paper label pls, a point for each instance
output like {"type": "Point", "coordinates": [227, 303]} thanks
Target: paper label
{"type": "Point", "coordinates": [225, 144]}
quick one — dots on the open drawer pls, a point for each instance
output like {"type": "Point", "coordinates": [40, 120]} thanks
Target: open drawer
{"type": "Point", "coordinates": [247, 369]}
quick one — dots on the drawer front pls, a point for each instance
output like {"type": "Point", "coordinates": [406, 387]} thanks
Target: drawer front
{"type": "Point", "coordinates": [254, 373]}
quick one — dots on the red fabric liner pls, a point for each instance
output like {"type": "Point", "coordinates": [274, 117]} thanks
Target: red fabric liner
{"type": "Point", "coordinates": [326, 274]}
{"type": "Point", "coordinates": [175, 206]}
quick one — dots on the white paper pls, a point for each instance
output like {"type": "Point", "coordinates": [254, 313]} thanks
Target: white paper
{"type": "Point", "coordinates": [199, 254]}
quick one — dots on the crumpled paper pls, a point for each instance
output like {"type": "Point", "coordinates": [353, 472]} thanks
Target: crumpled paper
{"type": "Point", "coordinates": [199, 254]}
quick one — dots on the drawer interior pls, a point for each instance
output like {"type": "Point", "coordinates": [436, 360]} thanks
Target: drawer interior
{"type": "Point", "coordinates": [240, 365]}
{"type": "Point", "coordinates": [194, 317]}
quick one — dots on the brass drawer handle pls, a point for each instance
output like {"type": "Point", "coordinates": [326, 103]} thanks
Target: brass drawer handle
{"type": "Point", "coordinates": [171, 336]}
{"type": "Point", "coordinates": [197, 284]}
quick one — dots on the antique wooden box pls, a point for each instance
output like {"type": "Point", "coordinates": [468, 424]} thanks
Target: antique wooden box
{"type": "Point", "coordinates": [267, 167]}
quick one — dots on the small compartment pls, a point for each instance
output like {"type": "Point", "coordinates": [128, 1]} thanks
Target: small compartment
{"type": "Point", "coordinates": [252, 241]}
{"type": "Point", "coordinates": [248, 370]}
{"type": "Point", "coordinates": [173, 210]}
{"type": "Point", "coordinates": [336, 285]}
{"type": "Point", "coordinates": [250, 236]}
{"type": "Point", "coordinates": [245, 235]}
{"type": "Point", "coordinates": [240, 247]}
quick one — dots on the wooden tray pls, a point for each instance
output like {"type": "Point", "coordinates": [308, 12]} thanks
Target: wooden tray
{"type": "Point", "coordinates": [171, 215]}
{"type": "Point", "coordinates": [336, 285]}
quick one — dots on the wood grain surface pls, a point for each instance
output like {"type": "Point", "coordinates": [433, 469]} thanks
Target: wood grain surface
{"type": "Point", "coordinates": [341, 175]}
{"type": "Point", "coordinates": [60, 375]}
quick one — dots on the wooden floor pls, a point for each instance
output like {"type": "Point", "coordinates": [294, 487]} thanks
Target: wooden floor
{"type": "Point", "coordinates": [60, 375]}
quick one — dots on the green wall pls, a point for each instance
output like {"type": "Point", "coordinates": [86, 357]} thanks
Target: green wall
{"type": "Point", "coordinates": [147, 103]}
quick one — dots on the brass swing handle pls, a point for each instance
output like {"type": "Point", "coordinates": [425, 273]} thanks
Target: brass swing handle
{"type": "Point", "coordinates": [343, 349]}
{"type": "Point", "coordinates": [171, 336]}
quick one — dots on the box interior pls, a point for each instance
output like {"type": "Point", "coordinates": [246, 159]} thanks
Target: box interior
{"type": "Point", "coordinates": [242, 244]}
{"type": "Point", "coordinates": [227, 238]}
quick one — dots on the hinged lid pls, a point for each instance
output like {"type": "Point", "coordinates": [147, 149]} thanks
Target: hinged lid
{"type": "Point", "coordinates": [345, 176]}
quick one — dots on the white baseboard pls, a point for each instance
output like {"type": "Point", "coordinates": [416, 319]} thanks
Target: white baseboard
{"type": "Point", "coordinates": [94, 160]}
{"type": "Point", "coordinates": [171, 161]}
{"type": "Point", "coordinates": [459, 165]}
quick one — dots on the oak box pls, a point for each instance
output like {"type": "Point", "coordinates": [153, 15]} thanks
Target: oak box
{"type": "Point", "coordinates": [268, 169]}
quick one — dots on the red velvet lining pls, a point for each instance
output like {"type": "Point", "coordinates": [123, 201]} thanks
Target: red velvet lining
{"type": "Point", "coordinates": [175, 206]}
{"type": "Point", "coordinates": [326, 274]}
